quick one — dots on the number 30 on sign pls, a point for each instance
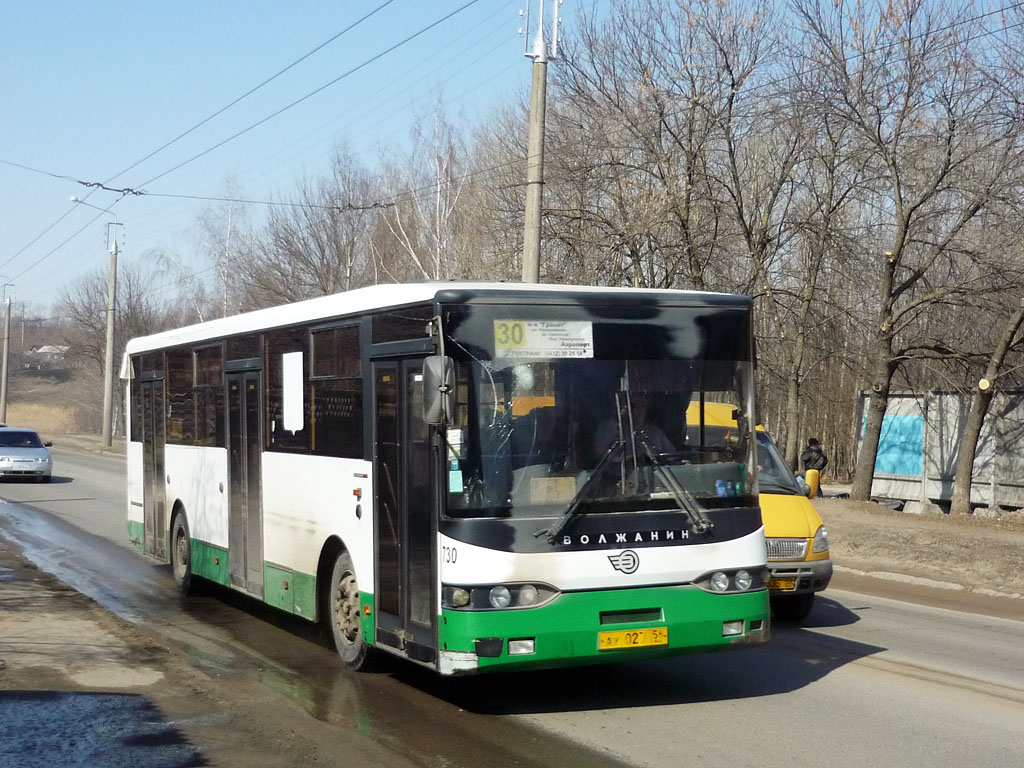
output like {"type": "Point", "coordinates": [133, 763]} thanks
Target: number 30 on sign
{"type": "Point", "coordinates": [509, 334]}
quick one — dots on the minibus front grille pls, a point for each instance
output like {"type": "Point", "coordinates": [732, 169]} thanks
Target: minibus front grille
{"type": "Point", "coordinates": [786, 549]}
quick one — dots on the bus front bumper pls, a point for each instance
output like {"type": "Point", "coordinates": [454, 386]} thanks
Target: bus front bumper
{"type": "Point", "coordinates": [601, 626]}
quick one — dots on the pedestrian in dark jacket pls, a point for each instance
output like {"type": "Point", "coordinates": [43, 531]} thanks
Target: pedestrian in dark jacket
{"type": "Point", "coordinates": [813, 457]}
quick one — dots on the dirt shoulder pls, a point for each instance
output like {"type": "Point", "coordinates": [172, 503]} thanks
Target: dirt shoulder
{"type": "Point", "coordinates": [967, 563]}
{"type": "Point", "coordinates": [62, 654]}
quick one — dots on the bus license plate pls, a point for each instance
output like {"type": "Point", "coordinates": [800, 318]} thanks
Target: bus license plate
{"type": "Point", "coordinates": [632, 638]}
{"type": "Point", "coordinates": [782, 584]}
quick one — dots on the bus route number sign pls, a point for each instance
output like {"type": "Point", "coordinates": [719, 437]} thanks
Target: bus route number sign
{"type": "Point", "coordinates": [543, 338]}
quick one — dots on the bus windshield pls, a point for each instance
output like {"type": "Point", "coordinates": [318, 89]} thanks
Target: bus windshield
{"type": "Point", "coordinates": [535, 436]}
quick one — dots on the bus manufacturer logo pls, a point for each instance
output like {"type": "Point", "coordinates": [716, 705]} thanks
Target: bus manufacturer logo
{"type": "Point", "coordinates": [626, 561]}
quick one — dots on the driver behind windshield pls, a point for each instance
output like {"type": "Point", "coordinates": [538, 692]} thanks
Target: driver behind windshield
{"type": "Point", "coordinates": [635, 413]}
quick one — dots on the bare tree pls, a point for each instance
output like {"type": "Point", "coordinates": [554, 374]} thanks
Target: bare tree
{"type": "Point", "coordinates": [423, 220]}
{"type": "Point", "coordinates": [315, 245]}
{"type": "Point", "coordinates": [909, 78]}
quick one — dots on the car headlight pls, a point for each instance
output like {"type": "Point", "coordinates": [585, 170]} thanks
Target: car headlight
{"type": "Point", "coordinates": [821, 539]}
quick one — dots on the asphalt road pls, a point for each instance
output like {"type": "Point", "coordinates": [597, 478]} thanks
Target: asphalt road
{"type": "Point", "coordinates": [865, 681]}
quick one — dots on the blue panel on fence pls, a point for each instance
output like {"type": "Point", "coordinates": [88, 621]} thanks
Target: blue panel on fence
{"type": "Point", "coordinates": [900, 445]}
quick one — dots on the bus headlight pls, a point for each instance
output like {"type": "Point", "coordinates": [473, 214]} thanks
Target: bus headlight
{"type": "Point", "coordinates": [821, 539]}
{"type": "Point", "coordinates": [732, 582]}
{"type": "Point", "coordinates": [527, 595]}
{"type": "Point", "coordinates": [500, 597]}
{"type": "Point", "coordinates": [743, 581]}
{"type": "Point", "coordinates": [489, 597]}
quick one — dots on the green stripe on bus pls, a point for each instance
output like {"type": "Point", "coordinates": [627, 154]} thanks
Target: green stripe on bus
{"type": "Point", "coordinates": [367, 623]}
{"type": "Point", "coordinates": [292, 591]}
{"type": "Point", "coordinates": [210, 562]}
{"type": "Point", "coordinates": [566, 630]}
{"type": "Point", "coordinates": [137, 534]}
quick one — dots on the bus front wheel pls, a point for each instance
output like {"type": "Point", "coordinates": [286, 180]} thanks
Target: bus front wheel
{"type": "Point", "coordinates": [344, 612]}
{"type": "Point", "coordinates": [181, 554]}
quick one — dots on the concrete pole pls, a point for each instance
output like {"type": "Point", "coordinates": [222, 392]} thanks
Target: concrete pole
{"type": "Point", "coordinates": [6, 353]}
{"type": "Point", "coordinates": [542, 52]}
{"type": "Point", "coordinates": [108, 360]}
{"type": "Point", "coordinates": [535, 172]}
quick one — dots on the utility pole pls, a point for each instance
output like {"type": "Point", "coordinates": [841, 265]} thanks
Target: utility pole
{"type": "Point", "coordinates": [6, 356]}
{"type": "Point", "coordinates": [108, 360]}
{"type": "Point", "coordinates": [541, 53]}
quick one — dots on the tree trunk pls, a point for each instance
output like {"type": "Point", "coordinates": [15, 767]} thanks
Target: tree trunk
{"type": "Point", "coordinates": [979, 408]}
{"type": "Point", "coordinates": [961, 504]}
{"type": "Point", "coordinates": [864, 473]}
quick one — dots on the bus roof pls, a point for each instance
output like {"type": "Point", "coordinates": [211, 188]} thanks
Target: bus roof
{"type": "Point", "coordinates": [381, 297]}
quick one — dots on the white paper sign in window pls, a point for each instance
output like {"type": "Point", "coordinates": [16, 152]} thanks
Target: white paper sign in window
{"type": "Point", "coordinates": [543, 338]}
{"type": "Point", "coordinates": [293, 391]}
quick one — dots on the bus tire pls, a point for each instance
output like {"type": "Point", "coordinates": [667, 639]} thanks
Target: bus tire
{"type": "Point", "coordinates": [344, 614]}
{"type": "Point", "coordinates": [792, 607]}
{"type": "Point", "coordinates": [181, 554]}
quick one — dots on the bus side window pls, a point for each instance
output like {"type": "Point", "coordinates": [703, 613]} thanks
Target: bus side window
{"type": "Point", "coordinates": [336, 391]}
{"type": "Point", "coordinates": [278, 344]}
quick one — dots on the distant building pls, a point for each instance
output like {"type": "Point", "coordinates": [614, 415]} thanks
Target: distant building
{"type": "Point", "coordinates": [48, 354]}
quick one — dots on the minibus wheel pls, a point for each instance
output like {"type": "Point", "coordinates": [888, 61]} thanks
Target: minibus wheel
{"type": "Point", "coordinates": [792, 607]}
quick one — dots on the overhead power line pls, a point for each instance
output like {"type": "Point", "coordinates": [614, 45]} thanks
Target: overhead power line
{"type": "Point", "coordinates": [314, 92]}
{"type": "Point", "coordinates": [251, 91]}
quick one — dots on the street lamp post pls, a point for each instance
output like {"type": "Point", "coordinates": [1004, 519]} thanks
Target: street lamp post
{"type": "Point", "coordinates": [108, 358]}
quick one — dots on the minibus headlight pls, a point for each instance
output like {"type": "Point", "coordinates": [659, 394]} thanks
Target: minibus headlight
{"type": "Point", "coordinates": [821, 539]}
{"type": "Point", "coordinates": [500, 597]}
{"type": "Point", "coordinates": [460, 597]}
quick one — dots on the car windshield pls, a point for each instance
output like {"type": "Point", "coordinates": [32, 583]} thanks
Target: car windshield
{"type": "Point", "coordinates": [20, 439]}
{"type": "Point", "coordinates": [541, 437]}
{"type": "Point", "coordinates": [774, 475]}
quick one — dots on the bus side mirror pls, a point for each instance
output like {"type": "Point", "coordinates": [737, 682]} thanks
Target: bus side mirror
{"type": "Point", "coordinates": [438, 389]}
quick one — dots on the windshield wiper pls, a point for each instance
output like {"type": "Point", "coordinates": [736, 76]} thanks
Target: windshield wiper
{"type": "Point", "coordinates": [552, 533]}
{"type": "Point", "coordinates": [682, 497]}
{"type": "Point", "coordinates": [775, 487]}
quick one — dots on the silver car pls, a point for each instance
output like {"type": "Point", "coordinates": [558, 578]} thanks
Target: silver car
{"type": "Point", "coordinates": [24, 454]}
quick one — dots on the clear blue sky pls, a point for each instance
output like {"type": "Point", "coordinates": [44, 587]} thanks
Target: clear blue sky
{"type": "Point", "coordinates": [89, 89]}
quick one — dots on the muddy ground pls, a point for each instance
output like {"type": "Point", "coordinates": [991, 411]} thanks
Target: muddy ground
{"type": "Point", "coordinates": [156, 708]}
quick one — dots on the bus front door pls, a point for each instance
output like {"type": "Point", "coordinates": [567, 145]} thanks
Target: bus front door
{"type": "Point", "coordinates": [154, 500]}
{"type": "Point", "coordinates": [245, 511]}
{"type": "Point", "coordinates": [405, 598]}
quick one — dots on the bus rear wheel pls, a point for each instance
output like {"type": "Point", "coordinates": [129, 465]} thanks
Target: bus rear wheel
{"type": "Point", "coordinates": [792, 607]}
{"type": "Point", "coordinates": [181, 554]}
{"type": "Point", "coordinates": [344, 613]}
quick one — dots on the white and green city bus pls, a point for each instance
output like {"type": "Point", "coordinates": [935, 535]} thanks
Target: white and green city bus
{"type": "Point", "coordinates": [472, 476]}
